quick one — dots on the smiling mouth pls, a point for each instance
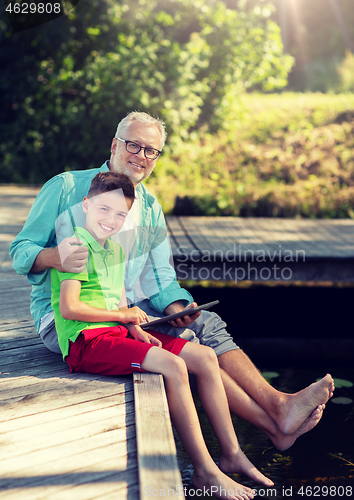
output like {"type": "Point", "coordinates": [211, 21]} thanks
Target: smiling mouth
{"type": "Point", "coordinates": [107, 229]}
{"type": "Point", "coordinates": [136, 165]}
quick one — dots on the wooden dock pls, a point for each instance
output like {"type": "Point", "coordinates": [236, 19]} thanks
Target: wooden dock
{"type": "Point", "coordinates": [73, 436]}
{"type": "Point", "coordinates": [262, 249]}
{"type": "Point", "coordinates": [233, 248]}
{"type": "Point", "coordinates": [63, 435]}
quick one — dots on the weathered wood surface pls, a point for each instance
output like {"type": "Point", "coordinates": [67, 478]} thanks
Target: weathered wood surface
{"type": "Point", "coordinates": [62, 435]}
{"type": "Point", "coordinates": [158, 467]}
{"type": "Point", "coordinates": [65, 435]}
{"type": "Point", "coordinates": [230, 248]}
{"type": "Point", "coordinates": [236, 249]}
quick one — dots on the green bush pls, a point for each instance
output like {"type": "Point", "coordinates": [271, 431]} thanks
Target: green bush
{"type": "Point", "coordinates": [346, 73]}
{"type": "Point", "coordinates": [287, 155]}
{"type": "Point", "coordinates": [66, 84]}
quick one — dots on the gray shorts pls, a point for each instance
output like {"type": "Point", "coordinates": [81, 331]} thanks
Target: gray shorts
{"type": "Point", "coordinates": [49, 337]}
{"type": "Point", "coordinates": [208, 329]}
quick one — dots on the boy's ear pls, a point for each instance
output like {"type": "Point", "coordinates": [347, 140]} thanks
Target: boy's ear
{"type": "Point", "coordinates": [85, 204]}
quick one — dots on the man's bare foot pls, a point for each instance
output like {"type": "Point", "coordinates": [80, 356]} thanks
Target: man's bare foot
{"type": "Point", "coordinates": [296, 408]}
{"type": "Point", "coordinates": [240, 464]}
{"type": "Point", "coordinates": [221, 485]}
{"type": "Point", "coordinates": [284, 441]}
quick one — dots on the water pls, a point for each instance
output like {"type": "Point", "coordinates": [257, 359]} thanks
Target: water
{"type": "Point", "coordinates": [321, 463]}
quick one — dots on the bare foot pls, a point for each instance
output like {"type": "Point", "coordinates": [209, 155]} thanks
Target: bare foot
{"type": "Point", "coordinates": [240, 464]}
{"type": "Point", "coordinates": [299, 406]}
{"type": "Point", "coordinates": [221, 486]}
{"type": "Point", "coordinates": [284, 441]}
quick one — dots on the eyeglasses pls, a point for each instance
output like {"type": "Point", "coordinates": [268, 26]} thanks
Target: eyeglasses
{"type": "Point", "coordinates": [133, 147]}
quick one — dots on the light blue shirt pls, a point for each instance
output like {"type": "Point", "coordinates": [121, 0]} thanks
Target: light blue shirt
{"type": "Point", "coordinates": [148, 267]}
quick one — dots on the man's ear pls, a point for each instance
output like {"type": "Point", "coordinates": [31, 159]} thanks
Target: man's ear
{"type": "Point", "coordinates": [85, 204]}
{"type": "Point", "coordinates": [114, 146]}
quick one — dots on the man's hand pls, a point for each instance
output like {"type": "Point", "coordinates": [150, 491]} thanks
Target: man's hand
{"type": "Point", "coordinates": [72, 255]}
{"type": "Point", "coordinates": [139, 334]}
{"type": "Point", "coordinates": [133, 315]}
{"type": "Point", "coordinates": [184, 321]}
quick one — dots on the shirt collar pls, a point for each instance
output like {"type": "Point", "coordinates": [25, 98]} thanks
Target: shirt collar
{"type": "Point", "coordinates": [90, 240]}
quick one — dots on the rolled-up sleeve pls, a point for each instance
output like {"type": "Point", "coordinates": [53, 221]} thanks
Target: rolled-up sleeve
{"type": "Point", "coordinates": [158, 269]}
{"type": "Point", "coordinates": [38, 231]}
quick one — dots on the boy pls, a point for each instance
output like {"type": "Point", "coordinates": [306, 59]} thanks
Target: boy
{"type": "Point", "coordinates": [90, 311]}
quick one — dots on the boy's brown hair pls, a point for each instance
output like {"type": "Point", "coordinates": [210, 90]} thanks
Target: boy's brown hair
{"type": "Point", "coordinates": [104, 182]}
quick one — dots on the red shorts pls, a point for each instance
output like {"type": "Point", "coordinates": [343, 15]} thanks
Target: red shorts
{"type": "Point", "coordinates": [112, 351]}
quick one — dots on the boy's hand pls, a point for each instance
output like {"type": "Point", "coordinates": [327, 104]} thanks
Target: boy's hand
{"type": "Point", "coordinates": [133, 315]}
{"type": "Point", "coordinates": [139, 334]}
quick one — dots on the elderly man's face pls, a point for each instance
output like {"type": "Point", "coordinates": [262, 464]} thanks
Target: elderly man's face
{"type": "Point", "coordinates": [135, 165]}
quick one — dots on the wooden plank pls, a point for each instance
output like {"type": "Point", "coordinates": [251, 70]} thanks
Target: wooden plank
{"type": "Point", "coordinates": [180, 237]}
{"type": "Point", "coordinates": [84, 485]}
{"type": "Point", "coordinates": [65, 395]}
{"type": "Point", "coordinates": [58, 414]}
{"type": "Point", "coordinates": [62, 435]}
{"type": "Point", "coordinates": [108, 462]}
{"type": "Point", "coordinates": [59, 380]}
{"type": "Point", "coordinates": [319, 238]}
{"type": "Point", "coordinates": [68, 430]}
{"type": "Point", "coordinates": [158, 468]}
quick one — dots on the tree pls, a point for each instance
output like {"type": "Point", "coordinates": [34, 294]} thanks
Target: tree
{"type": "Point", "coordinates": [67, 83]}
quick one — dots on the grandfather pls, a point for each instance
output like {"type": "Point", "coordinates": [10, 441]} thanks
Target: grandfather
{"type": "Point", "coordinates": [150, 281]}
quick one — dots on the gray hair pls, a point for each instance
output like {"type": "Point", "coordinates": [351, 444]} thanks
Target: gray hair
{"type": "Point", "coordinates": [142, 118]}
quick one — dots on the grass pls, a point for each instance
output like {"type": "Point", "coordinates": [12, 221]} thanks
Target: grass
{"type": "Point", "coordinates": [281, 155]}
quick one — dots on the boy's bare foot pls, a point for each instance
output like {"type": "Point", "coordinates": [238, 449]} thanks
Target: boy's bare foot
{"type": "Point", "coordinates": [296, 408]}
{"type": "Point", "coordinates": [221, 485]}
{"type": "Point", "coordinates": [240, 464]}
{"type": "Point", "coordinates": [284, 441]}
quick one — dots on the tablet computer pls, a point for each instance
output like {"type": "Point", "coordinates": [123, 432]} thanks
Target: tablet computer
{"type": "Point", "coordinates": [181, 314]}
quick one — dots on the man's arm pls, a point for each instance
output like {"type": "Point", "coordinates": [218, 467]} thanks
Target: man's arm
{"type": "Point", "coordinates": [69, 256]}
{"type": "Point", "coordinates": [33, 251]}
{"type": "Point", "coordinates": [38, 232]}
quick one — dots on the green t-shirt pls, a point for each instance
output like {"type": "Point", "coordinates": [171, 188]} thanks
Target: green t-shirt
{"type": "Point", "coordinates": [102, 284]}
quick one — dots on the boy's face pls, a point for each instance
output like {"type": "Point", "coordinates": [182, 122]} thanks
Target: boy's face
{"type": "Point", "coordinates": [106, 214]}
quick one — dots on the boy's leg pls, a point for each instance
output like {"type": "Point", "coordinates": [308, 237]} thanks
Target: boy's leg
{"type": "Point", "coordinates": [202, 361]}
{"type": "Point", "coordinates": [185, 419]}
{"type": "Point", "coordinates": [286, 412]}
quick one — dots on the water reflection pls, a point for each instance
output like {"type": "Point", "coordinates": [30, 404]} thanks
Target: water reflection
{"type": "Point", "coordinates": [320, 464]}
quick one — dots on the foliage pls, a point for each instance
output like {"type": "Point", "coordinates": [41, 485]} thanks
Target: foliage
{"type": "Point", "coordinates": [67, 83]}
{"type": "Point", "coordinates": [317, 34]}
{"type": "Point", "coordinates": [346, 72]}
{"type": "Point", "coordinates": [287, 155]}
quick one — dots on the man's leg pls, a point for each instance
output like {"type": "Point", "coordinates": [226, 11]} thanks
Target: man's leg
{"type": "Point", "coordinates": [288, 411]}
{"type": "Point", "coordinates": [211, 330]}
{"type": "Point", "coordinates": [49, 338]}
{"type": "Point", "coordinates": [242, 405]}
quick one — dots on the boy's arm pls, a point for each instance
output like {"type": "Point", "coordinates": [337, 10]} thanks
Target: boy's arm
{"type": "Point", "coordinates": [135, 330]}
{"type": "Point", "coordinates": [71, 307]}
{"type": "Point", "coordinates": [139, 334]}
